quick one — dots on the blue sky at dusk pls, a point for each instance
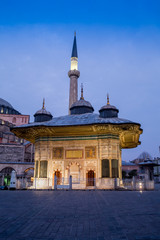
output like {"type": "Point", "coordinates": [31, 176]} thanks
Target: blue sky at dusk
{"type": "Point", "coordinates": [119, 53]}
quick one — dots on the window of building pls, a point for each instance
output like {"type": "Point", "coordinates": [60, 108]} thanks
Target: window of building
{"type": "Point", "coordinates": [105, 168]}
{"type": "Point", "coordinates": [14, 120]}
{"type": "Point", "coordinates": [1, 109]}
{"type": "Point", "coordinates": [43, 169]}
{"type": "Point", "coordinates": [36, 169]}
{"type": "Point", "coordinates": [115, 168]}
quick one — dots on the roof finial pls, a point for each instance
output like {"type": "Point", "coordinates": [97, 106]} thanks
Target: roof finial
{"type": "Point", "coordinates": [108, 99]}
{"type": "Point", "coordinates": [75, 33]}
{"type": "Point", "coordinates": [82, 98]}
{"type": "Point", "coordinates": [43, 103]}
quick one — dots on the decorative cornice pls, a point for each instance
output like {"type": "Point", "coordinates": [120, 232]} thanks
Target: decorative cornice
{"type": "Point", "coordinates": [128, 133]}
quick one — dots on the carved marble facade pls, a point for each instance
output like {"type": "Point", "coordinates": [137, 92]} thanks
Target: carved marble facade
{"type": "Point", "coordinates": [75, 158]}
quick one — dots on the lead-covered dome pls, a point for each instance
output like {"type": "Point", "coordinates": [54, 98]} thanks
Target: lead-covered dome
{"type": "Point", "coordinates": [7, 108]}
{"type": "Point", "coordinates": [42, 115]}
{"type": "Point", "coordinates": [108, 111]}
{"type": "Point", "coordinates": [81, 106]}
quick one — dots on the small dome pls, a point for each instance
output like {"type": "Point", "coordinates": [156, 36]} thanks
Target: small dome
{"type": "Point", "coordinates": [42, 115]}
{"type": "Point", "coordinates": [81, 106]}
{"type": "Point", "coordinates": [145, 156]}
{"type": "Point", "coordinates": [80, 103]}
{"type": "Point", "coordinates": [107, 107]}
{"type": "Point", "coordinates": [43, 111]}
{"type": "Point", "coordinates": [108, 111]}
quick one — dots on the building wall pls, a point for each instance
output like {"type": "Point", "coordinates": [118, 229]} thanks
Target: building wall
{"type": "Point", "coordinates": [130, 167]}
{"type": "Point", "coordinates": [15, 119]}
{"type": "Point", "coordinates": [15, 154]}
{"type": "Point", "coordinates": [11, 153]}
{"type": "Point", "coordinates": [75, 157]}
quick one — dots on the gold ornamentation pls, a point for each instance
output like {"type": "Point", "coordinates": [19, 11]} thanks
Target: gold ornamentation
{"type": "Point", "coordinates": [73, 154]}
{"type": "Point", "coordinates": [58, 153]}
{"type": "Point", "coordinates": [90, 152]}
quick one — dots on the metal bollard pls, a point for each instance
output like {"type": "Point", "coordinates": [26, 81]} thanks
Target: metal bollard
{"type": "Point", "coordinates": [70, 182]}
{"type": "Point", "coordinates": [55, 182]}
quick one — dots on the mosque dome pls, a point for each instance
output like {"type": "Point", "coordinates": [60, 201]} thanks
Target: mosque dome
{"type": "Point", "coordinates": [145, 156]}
{"type": "Point", "coordinates": [42, 115]}
{"type": "Point", "coordinates": [81, 106]}
{"type": "Point", "coordinates": [7, 108]}
{"type": "Point", "coordinates": [5, 103]}
{"type": "Point", "coordinates": [108, 111]}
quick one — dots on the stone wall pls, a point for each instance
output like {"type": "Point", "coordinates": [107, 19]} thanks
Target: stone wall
{"type": "Point", "coordinates": [11, 153]}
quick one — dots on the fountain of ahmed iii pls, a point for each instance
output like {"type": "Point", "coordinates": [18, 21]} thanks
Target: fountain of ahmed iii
{"type": "Point", "coordinates": [83, 144]}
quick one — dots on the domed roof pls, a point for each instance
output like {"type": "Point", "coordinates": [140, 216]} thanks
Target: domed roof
{"type": "Point", "coordinates": [43, 111]}
{"type": "Point", "coordinates": [108, 111]}
{"type": "Point", "coordinates": [81, 106]}
{"type": "Point", "coordinates": [81, 102]}
{"type": "Point", "coordinates": [145, 155]}
{"type": "Point", "coordinates": [42, 115]}
{"type": "Point", "coordinates": [5, 103]}
{"type": "Point", "coordinates": [108, 106]}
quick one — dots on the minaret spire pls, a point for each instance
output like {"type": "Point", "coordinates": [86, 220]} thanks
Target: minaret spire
{"type": "Point", "coordinates": [74, 49]}
{"type": "Point", "coordinates": [73, 74]}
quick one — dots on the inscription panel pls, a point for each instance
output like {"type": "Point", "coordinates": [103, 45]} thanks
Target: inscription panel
{"type": "Point", "coordinates": [74, 154]}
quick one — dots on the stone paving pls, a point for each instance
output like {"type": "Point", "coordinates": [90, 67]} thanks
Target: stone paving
{"type": "Point", "coordinates": [79, 215]}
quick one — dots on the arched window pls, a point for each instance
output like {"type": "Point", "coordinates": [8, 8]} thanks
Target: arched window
{"type": "Point", "coordinates": [58, 175]}
{"type": "Point", "coordinates": [115, 168]}
{"type": "Point", "coordinates": [1, 109]}
{"type": "Point", "coordinates": [14, 120]}
{"type": "Point", "coordinates": [105, 168]}
{"type": "Point", "coordinates": [90, 178]}
{"type": "Point", "coordinates": [7, 170]}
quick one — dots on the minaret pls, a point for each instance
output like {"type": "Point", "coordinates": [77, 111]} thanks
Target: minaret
{"type": "Point", "coordinates": [73, 75]}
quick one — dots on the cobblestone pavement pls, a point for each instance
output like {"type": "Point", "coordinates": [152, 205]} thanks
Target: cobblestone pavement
{"type": "Point", "coordinates": [79, 215]}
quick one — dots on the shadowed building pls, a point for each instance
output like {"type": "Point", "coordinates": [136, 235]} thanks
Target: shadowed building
{"type": "Point", "coordinates": [9, 114]}
{"type": "Point", "coordinates": [15, 153]}
{"type": "Point", "coordinates": [83, 144]}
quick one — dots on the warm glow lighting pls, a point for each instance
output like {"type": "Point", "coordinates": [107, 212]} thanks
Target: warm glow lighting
{"type": "Point", "coordinates": [74, 63]}
{"type": "Point", "coordinates": [140, 186]}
